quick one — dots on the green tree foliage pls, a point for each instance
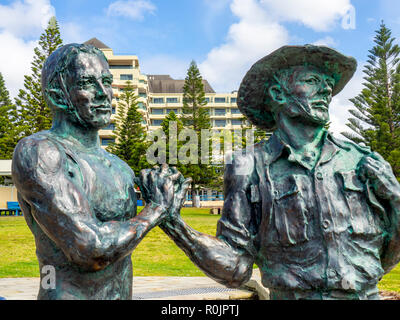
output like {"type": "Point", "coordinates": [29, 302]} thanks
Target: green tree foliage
{"type": "Point", "coordinates": [376, 117]}
{"type": "Point", "coordinates": [167, 126]}
{"type": "Point", "coordinates": [196, 116]}
{"type": "Point", "coordinates": [34, 114]}
{"type": "Point", "coordinates": [8, 138]}
{"type": "Point", "coordinates": [258, 134]}
{"type": "Point", "coordinates": [130, 137]}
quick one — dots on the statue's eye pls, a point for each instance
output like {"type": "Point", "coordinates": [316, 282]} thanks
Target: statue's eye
{"type": "Point", "coordinates": [85, 83]}
{"type": "Point", "coordinates": [107, 82]}
{"type": "Point", "coordinates": [311, 80]}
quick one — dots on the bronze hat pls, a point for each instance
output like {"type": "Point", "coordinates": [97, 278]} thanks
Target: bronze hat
{"type": "Point", "coordinates": [252, 98]}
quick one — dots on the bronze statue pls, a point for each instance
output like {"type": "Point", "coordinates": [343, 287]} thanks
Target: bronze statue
{"type": "Point", "coordinates": [78, 200]}
{"type": "Point", "coordinates": [319, 216]}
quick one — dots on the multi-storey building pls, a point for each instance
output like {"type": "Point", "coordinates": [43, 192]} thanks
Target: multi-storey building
{"type": "Point", "coordinates": [123, 68]}
{"type": "Point", "coordinates": [160, 94]}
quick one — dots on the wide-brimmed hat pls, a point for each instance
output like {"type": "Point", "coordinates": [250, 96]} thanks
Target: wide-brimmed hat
{"type": "Point", "coordinates": [252, 98]}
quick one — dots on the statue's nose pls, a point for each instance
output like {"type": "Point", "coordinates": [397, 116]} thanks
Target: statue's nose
{"type": "Point", "coordinates": [326, 87]}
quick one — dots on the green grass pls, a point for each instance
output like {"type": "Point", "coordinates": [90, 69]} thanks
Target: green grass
{"type": "Point", "coordinates": [156, 255]}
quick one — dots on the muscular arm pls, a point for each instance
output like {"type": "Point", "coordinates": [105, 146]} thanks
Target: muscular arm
{"type": "Point", "coordinates": [62, 210]}
{"type": "Point", "coordinates": [228, 257]}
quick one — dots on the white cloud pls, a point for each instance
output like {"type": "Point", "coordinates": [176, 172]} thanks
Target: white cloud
{"type": "Point", "coordinates": [260, 30]}
{"type": "Point", "coordinates": [25, 18]}
{"type": "Point", "coordinates": [327, 41]}
{"type": "Point", "coordinates": [319, 15]}
{"type": "Point", "coordinates": [134, 9]}
{"type": "Point", "coordinates": [15, 60]}
{"type": "Point", "coordinates": [254, 36]}
{"type": "Point", "coordinates": [340, 105]}
{"type": "Point", "coordinates": [20, 22]}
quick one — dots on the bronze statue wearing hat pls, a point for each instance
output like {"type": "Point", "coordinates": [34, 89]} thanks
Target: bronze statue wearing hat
{"type": "Point", "coordinates": [319, 216]}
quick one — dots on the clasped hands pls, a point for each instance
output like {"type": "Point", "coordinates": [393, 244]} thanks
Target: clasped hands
{"type": "Point", "coordinates": [164, 186]}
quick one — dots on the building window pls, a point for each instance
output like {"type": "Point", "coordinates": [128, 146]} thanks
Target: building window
{"type": "Point", "coordinates": [158, 100]}
{"type": "Point", "coordinates": [172, 100]}
{"type": "Point", "coordinates": [220, 123]}
{"type": "Point", "coordinates": [208, 99]}
{"type": "Point", "coordinates": [126, 77]}
{"type": "Point", "coordinates": [157, 111]}
{"type": "Point", "coordinates": [235, 111]}
{"type": "Point", "coordinates": [156, 122]}
{"type": "Point", "coordinates": [141, 105]}
{"type": "Point", "coordinates": [142, 95]}
{"type": "Point", "coordinates": [233, 100]}
{"type": "Point", "coordinates": [106, 141]}
{"type": "Point", "coordinates": [116, 66]}
{"type": "Point", "coordinates": [219, 100]}
{"type": "Point", "coordinates": [236, 122]}
{"type": "Point", "coordinates": [174, 110]}
{"type": "Point", "coordinates": [113, 110]}
{"type": "Point", "coordinates": [142, 81]}
{"type": "Point", "coordinates": [219, 112]}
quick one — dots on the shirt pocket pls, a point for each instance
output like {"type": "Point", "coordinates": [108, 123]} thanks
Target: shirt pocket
{"type": "Point", "coordinates": [290, 211]}
{"type": "Point", "coordinates": [362, 220]}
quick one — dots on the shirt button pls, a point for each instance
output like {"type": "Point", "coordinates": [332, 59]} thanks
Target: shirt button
{"type": "Point", "coordinates": [319, 176]}
{"type": "Point", "coordinates": [325, 224]}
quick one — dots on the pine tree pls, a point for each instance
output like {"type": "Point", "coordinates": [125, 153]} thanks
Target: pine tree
{"type": "Point", "coordinates": [8, 138]}
{"type": "Point", "coordinates": [376, 117]}
{"type": "Point", "coordinates": [196, 117]}
{"type": "Point", "coordinates": [258, 134]}
{"type": "Point", "coordinates": [34, 114]}
{"type": "Point", "coordinates": [130, 137]}
{"type": "Point", "coordinates": [166, 127]}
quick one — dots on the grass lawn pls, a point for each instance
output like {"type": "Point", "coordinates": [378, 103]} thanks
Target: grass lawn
{"type": "Point", "coordinates": [156, 255]}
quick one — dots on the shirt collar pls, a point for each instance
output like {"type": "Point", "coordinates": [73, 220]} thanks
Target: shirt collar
{"type": "Point", "coordinates": [275, 146]}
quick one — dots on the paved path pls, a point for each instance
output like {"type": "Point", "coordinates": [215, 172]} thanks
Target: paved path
{"type": "Point", "coordinates": [144, 288]}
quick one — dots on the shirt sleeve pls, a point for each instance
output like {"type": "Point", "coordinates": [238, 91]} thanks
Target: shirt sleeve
{"type": "Point", "coordinates": [235, 225]}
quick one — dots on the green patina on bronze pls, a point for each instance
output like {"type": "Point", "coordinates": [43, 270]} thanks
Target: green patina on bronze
{"type": "Point", "coordinates": [319, 216]}
{"type": "Point", "coordinates": [79, 200]}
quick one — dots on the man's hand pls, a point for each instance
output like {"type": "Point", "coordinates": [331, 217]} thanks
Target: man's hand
{"type": "Point", "coordinates": [180, 188]}
{"type": "Point", "coordinates": [157, 185]}
{"type": "Point", "coordinates": [374, 168]}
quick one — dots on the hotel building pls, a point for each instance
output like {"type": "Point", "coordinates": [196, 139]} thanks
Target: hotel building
{"type": "Point", "coordinates": [160, 94]}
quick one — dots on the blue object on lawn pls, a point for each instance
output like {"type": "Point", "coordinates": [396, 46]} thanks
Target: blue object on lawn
{"type": "Point", "coordinates": [14, 205]}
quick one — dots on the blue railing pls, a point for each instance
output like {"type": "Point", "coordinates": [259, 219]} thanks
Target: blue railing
{"type": "Point", "coordinates": [206, 197]}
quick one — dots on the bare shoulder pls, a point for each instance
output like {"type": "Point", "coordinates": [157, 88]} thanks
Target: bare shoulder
{"type": "Point", "coordinates": [36, 152]}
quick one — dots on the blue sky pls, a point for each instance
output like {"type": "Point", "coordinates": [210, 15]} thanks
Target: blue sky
{"type": "Point", "coordinates": [224, 37]}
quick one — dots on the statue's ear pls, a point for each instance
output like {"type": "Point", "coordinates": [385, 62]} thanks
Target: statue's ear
{"type": "Point", "coordinates": [57, 98]}
{"type": "Point", "coordinates": [277, 94]}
